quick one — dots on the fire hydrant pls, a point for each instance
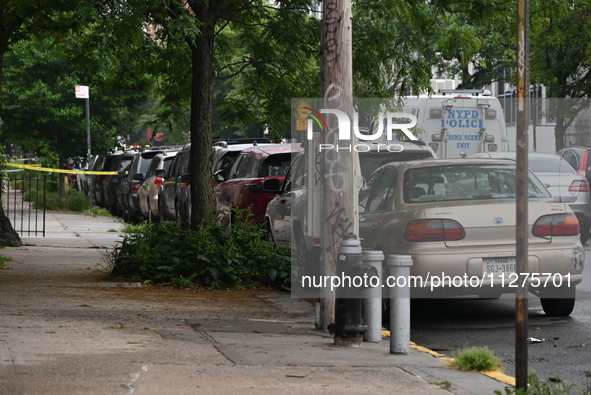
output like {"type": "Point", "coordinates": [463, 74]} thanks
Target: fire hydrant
{"type": "Point", "coordinates": [355, 277]}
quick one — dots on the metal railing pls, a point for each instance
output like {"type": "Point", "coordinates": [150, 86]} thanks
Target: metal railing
{"type": "Point", "coordinates": [24, 201]}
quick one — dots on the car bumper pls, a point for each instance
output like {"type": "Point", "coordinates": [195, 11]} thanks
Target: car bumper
{"type": "Point", "coordinates": [446, 275]}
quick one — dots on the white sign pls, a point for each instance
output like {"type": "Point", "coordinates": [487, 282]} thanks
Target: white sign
{"type": "Point", "coordinates": [82, 92]}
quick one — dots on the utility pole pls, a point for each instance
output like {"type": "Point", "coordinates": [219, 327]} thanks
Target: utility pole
{"type": "Point", "coordinates": [338, 187]}
{"type": "Point", "coordinates": [521, 317]}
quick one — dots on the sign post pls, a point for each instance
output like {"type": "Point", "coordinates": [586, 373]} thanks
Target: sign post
{"type": "Point", "coordinates": [83, 93]}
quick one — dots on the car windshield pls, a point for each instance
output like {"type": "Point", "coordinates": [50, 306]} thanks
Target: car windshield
{"type": "Point", "coordinates": [549, 164]}
{"type": "Point", "coordinates": [465, 182]}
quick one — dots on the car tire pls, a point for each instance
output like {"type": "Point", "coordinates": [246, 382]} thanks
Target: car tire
{"type": "Point", "coordinates": [268, 233]}
{"type": "Point", "coordinates": [163, 215]}
{"type": "Point", "coordinates": [559, 307]}
{"type": "Point", "coordinates": [584, 234]}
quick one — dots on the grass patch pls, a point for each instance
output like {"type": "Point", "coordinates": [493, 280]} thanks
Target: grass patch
{"type": "Point", "coordinates": [3, 261]}
{"type": "Point", "coordinates": [476, 359]}
{"type": "Point", "coordinates": [555, 386]}
{"type": "Point", "coordinates": [142, 227]}
{"type": "Point", "coordinates": [96, 211]}
{"type": "Point", "coordinates": [446, 385]}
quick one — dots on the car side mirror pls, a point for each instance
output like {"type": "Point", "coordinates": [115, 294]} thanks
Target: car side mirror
{"type": "Point", "coordinates": [186, 178]}
{"type": "Point", "coordinates": [272, 185]}
{"type": "Point", "coordinates": [219, 177]}
{"type": "Point", "coordinates": [160, 173]}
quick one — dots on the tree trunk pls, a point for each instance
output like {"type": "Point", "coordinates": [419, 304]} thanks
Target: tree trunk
{"type": "Point", "coordinates": [204, 80]}
{"type": "Point", "coordinates": [8, 236]}
{"type": "Point", "coordinates": [559, 131]}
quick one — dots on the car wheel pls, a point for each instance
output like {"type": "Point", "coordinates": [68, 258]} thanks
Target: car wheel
{"type": "Point", "coordinates": [268, 233]}
{"type": "Point", "coordinates": [584, 234]}
{"type": "Point", "coordinates": [161, 210]}
{"type": "Point", "coordinates": [559, 307]}
{"type": "Point", "coordinates": [308, 261]}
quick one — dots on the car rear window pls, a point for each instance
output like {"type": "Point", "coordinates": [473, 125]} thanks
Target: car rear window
{"type": "Point", "coordinates": [146, 159]}
{"type": "Point", "coordinates": [550, 164]}
{"type": "Point", "coordinates": [465, 182]}
{"type": "Point", "coordinates": [370, 161]}
{"type": "Point", "coordinates": [275, 165]}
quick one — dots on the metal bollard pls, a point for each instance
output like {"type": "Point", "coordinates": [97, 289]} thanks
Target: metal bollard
{"type": "Point", "coordinates": [348, 328]}
{"type": "Point", "coordinates": [372, 302]}
{"type": "Point", "coordinates": [399, 267]}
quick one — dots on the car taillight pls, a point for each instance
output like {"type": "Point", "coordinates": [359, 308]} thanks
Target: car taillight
{"type": "Point", "coordinates": [434, 230]}
{"type": "Point", "coordinates": [158, 182]}
{"type": "Point", "coordinates": [135, 186]}
{"type": "Point", "coordinates": [584, 160]}
{"type": "Point", "coordinates": [579, 186]}
{"type": "Point", "coordinates": [556, 225]}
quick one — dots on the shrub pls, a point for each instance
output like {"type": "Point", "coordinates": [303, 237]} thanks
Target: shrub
{"type": "Point", "coordinates": [212, 256]}
{"type": "Point", "coordinates": [74, 201]}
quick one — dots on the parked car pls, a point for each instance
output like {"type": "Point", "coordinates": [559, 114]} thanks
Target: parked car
{"type": "Point", "coordinates": [562, 182]}
{"type": "Point", "coordinates": [456, 218]}
{"type": "Point", "coordinates": [578, 158]}
{"type": "Point", "coordinates": [172, 188]}
{"type": "Point", "coordinates": [114, 163]}
{"type": "Point", "coordinates": [97, 180]}
{"type": "Point", "coordinates": [242, 188]}
{"type": "Point", "coordinates": [150, 188]}
{"type": "Point", "coordinates": [286, 216]}
{"type": "Point", "coordinates": [130, 178]}
{"type": "Point", "coordinates": [224, 155]}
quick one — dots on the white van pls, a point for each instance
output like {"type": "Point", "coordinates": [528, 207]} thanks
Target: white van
{"type": "Point", "coordinates": [459, 123]}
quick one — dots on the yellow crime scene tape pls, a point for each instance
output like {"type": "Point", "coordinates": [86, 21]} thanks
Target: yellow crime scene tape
{"type": "Point", "coordinates": [39, 168]}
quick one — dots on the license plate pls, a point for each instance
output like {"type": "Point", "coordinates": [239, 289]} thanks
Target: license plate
{"type": "Point", "coordinates": [499, 265]}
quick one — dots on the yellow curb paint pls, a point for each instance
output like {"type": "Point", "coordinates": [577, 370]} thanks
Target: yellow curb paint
{"type": "Point", "coordinates": [500, 376]}
{"type": "Point", "coordinates": [497, 375]}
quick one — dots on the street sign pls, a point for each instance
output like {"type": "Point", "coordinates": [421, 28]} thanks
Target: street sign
{"type": "Point", "coordinates": [82, 92]}
{"type": "Point", "coordinates": [159, 135]}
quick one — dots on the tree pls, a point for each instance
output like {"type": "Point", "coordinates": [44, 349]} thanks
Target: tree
{"type": "Point", "coordinates": [560, 47]}
{"type": "Point", "coordinates": [20, 20]}
{"type": "Point", "coordinates": [41, 109]}
{"type": "Point", "coordinates": [474, 41]}
{"type": "Point", "coordinates": [275, 51]}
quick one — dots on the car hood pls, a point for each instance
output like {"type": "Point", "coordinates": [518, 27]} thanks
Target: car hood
{"type": "Point", "coordinates": [493, 223]}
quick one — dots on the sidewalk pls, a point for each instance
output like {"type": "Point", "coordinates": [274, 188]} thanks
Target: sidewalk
{"type": "Point", "coordinates": [66, 329]}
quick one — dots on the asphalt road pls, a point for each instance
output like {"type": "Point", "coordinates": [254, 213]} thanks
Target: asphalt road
{"type": "Point", "coordinates": [564, 346]}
